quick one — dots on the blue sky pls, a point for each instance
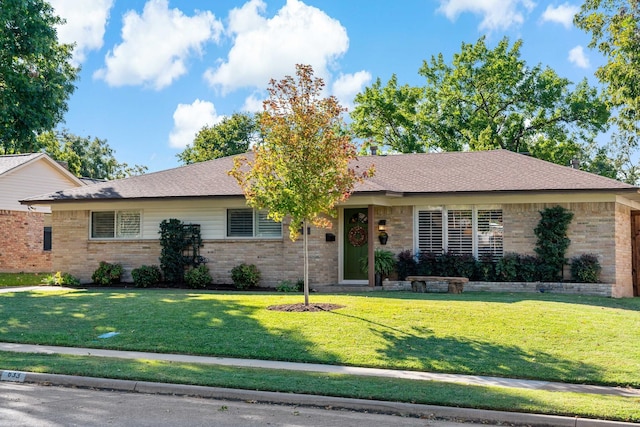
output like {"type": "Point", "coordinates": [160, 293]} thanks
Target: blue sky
{"type": "Point", "coordinates": [154, 72]}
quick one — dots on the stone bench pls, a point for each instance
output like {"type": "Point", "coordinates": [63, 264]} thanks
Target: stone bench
{"type": "Point", "coordinates": [452, 285]}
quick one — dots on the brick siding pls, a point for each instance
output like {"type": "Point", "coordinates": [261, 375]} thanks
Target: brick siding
{"type": "Point", "coordinates": [595, 228]}
{"type": "Point", "coordinates": [599, 228]}
{"type": "Point", "coordinates": [277, 260]}
{"type": "Point", "coordinates": [22, 237]}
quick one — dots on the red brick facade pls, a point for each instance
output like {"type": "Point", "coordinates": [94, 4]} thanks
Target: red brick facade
{"type": "Point", "coordinates": [22, 248]}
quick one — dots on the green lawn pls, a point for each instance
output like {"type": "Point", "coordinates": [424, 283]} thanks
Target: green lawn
{"type": "Point", "coordinates": [21, 279]}
{"type": "Point", "coordinates": [539, 336]}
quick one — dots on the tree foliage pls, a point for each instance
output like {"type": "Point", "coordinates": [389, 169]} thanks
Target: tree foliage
{"type": "Point", "coordinates": [302, 168]}
{"type": "Point", "coordinates": [387, 116]}
{"type": "Point", "coordinates": [36, 75]}
{"type": "Point", "coordinates": [86, 157]}
{"type": "Point", "coordinates": [614, 26]}
{"type": "Point", "coordinates": [233, 135]}
{"type": "Point", "coordinates": [484, 99]}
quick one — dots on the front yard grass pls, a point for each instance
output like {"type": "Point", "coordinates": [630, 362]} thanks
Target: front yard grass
{"type": "Point", "coordinates": [21, 279]}
{"type": "Point", "coordinates": [538, 336]}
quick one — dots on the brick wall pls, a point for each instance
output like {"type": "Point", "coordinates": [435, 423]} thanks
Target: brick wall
{"type": "Point", "coordinates": [600, 228]}
{"type": "Point", "coordinates": [623, 264]}
{"type": "Point", "coordinates": [592, 230]}
{"type": "Point", "coordinates": [399, 227]}
{"type": "Point", "coordinates": [277, 260]}
{"type": "Point", "coordinates": [22, 242]}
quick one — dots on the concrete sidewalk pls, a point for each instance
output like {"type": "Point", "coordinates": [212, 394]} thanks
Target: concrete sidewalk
{"type": "Point", "coordinates": [327, 369]}
{"type": "Point", "coordinates": [405, 409]}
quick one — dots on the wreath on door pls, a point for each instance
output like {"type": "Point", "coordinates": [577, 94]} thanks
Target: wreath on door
{"type": "Point", "coordinates": [357, 236]}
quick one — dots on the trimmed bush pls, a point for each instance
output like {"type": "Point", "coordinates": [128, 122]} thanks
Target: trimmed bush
{"type": "Point", "coordinates": [586, 268]}
{"type": "Point", "coordinates": [507, 268]}
{"type": "Point", "coordinates": [245, 276]}
{"type": "Point", "coordinates": [146, 275]}
{"type": "Point", "coordinates": [406, 265]}
{"type": "Point", "coordinates": [198, 277]}
{"type": "Point", "coordinates": [427, 264]}
{"type": "Point", "coordinates": [107, 274]}
{"type": "Point", "coordinates": [485, 268]}
{"type": "Point", "coordinates": [528, 268]}
{"type": "Point", "coordinates": [289, 286]}
{"type": "Point", "coordinates": [61, 279]}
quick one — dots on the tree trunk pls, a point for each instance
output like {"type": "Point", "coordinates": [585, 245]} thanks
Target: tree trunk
{"type": "Point", "coordinates": [305, 241]}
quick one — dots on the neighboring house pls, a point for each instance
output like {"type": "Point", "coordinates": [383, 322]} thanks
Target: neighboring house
{"type": "Point", "coordinates": [485, 202]}
{"type": "Point", "coordinates": [25, 231]}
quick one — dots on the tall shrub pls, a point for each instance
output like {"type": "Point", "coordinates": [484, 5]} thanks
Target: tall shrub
{"type": "Point", "coordinates": [172, 242]}
{"type": "Point", "coordinates": [180, 249]}
{"type": "Point", "coordinates": [552, 242]}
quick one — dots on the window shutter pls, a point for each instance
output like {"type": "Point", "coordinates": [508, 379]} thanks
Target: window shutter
{"type": "Point", "coordinates": [460, 231]}
{"type": "Point", "coordinates": [266, 227]}
{"type": "Point", "coordinates": [240, 222]}
{"type": "Point", "coordinates": [430, 231]}
{"type": "Point", "coordinates": [128, 224]}
{"type": "Point", "coordinates": [103, 225]}
{"type": "Point", "coordinates": [490, 233]}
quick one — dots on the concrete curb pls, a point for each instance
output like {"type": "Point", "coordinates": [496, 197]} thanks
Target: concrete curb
{"type": "Point", "coordinates": [397, 408]}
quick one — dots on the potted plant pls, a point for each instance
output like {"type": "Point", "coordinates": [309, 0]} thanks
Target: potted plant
{"type": "Point", "coordinates": [383, 265]}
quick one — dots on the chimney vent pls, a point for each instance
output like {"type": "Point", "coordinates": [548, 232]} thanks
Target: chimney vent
{"type": "Point", "coordinates": [574, 163]}
{"type": "Point", "coordinates": [374, 150]}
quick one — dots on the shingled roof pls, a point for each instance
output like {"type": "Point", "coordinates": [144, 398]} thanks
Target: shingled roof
{"type": "Point", "coordinates": [405, 174]}
{"type": "Point", "coordinates": [11, 161]}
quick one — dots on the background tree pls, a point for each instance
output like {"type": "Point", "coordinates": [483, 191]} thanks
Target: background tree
{"type": "Point", "coordinates": [301, 169]}
{"type": "Point", "coordinates": [86, 157]}
{"type": "Point", "coordinates": [233, 135]}
{"type": "Point", "coordinates": [36, 76]}
{"type": "Point", "coordinates": [484, 99]}
{"type": "Point", "coordinates": [614, 26]}
{"type": "Point", "coordinates": [386, 116]}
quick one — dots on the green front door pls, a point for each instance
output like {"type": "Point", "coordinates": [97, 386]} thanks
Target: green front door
{"type": "Point", "coordinates": [355, 243]}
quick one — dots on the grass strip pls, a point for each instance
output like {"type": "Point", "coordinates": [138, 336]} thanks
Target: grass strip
{"type": "Point", "coordinates": [424, 392]}
{"type": "Point", "coordinates": [22, 279]}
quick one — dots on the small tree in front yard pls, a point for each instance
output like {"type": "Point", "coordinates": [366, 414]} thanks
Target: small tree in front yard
{"type": "Point", "coordinates": [301, 169]}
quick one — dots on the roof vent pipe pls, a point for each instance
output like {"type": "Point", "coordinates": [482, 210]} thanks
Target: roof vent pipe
{"type": "Point", "coordinates": [374, 150]}
{"type": "Point", "coordinates": [574, 163]}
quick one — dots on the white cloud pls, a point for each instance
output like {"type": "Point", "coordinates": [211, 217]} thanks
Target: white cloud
{"type": "Point", "coordinates": [496, 14]}
{"type": "Point", "coordinates": [578, 57]}
{"type": "Point", "coordinates": [156, 45]}
{"type": "Point", "coordinates": [188, 119]}
{"type": "Point", "coordinates": [85, 24]}
{"type": "Point", "coordinates": [347, 86]}
{"type": "Point", "coordinates": [253, 103]}
{"type": "Point", "coordinates": [266, 48]}
{"type": "Point", "coordinates": [562, 14]}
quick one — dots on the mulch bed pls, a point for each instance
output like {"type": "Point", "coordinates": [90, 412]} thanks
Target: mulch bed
{"type": "Point", "coordinates": [301, 307]}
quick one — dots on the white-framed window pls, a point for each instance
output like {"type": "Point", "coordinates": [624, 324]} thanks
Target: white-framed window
{"type": "Point", "coordinates": [471, 230]}
{"type": "Point", "coordinates": [247, 222]}
{"type": "Point", "coordinates": [115, 224]}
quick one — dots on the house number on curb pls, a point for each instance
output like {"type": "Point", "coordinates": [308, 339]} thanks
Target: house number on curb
{"type": "Point", "coordinates": [14, 376]}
